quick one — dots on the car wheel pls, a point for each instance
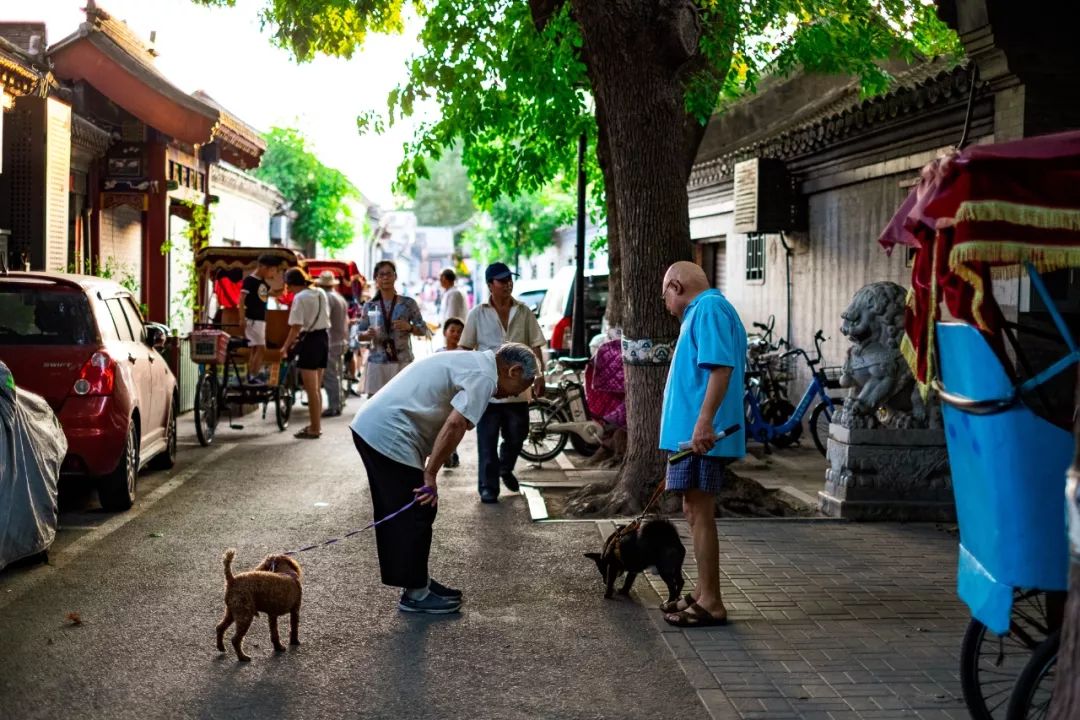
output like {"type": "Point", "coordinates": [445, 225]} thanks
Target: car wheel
{"type": "Point", "coordinates": [117, 490]}
{"type": "Point", "coordinates": [166, 459]}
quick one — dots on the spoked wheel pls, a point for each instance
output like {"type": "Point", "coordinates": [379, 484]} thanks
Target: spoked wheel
{"type": "Point", "coordinates": [207, 407]}
{"type": "Point", "coordinates": [542, 444]}
{"type": "Point", "coordinates": [1035, 687]}
{"type": "Point", "coordinates": [820, 420]}
{"type": "Point", "coordinates": [285, 396]}
{"type": "Point", "coordinates": [583, 448]}
{"type": "Point", "coordinates": [990, 665]}
{"type": "Point", "coordinates": [776, 412]}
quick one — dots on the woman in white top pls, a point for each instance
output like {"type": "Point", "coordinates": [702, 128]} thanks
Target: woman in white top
{"type": "Point", "coordinates": [309, 322]}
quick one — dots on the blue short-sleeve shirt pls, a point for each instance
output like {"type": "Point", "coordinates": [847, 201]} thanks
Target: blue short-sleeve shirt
{"type": "Point", "coordinates": [711, 336]}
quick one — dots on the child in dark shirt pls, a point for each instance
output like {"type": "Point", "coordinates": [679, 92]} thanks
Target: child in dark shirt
{"type": "Point", "coordinates": [253, 296]}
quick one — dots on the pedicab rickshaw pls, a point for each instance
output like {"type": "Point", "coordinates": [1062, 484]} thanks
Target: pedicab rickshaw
{"type": "Point", "coordinates": [997, 212]}
{"type": "Point", "coordinates": [220, 350]}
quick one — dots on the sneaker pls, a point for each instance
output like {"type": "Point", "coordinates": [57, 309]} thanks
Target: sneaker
{"type": "Point", "coordinates": [511, 482]}
{"type": "Point", "coordinates": [486, 496]}
{"type": "Point", "coordinates": [432, 604]}
{"type": "Point", "coordinates": [442, 591]}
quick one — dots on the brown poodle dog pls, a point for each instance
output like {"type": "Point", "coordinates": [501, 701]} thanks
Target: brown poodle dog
{"type": "Point", "coordinates": [273, 588]}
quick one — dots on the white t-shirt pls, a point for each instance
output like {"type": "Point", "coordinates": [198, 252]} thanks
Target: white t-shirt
{"type": "Point", "coordinates": [305, 310]}
{"type": "Point", "coordinates": [403, 419]}
{"type": "Point", "coordinates": [453, 305]}
{"type": "Point", "coordinates": [484, 331]}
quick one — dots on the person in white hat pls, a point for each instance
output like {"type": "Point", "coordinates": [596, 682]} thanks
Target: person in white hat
{"type": "Point", "coordinates": [339, 336]}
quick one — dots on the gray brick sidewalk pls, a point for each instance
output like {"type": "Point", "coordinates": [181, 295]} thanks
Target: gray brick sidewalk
{"type": "Point", "coordinates": [827, 621]}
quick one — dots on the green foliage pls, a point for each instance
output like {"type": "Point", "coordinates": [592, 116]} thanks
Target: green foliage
{"type": "Point", "coordinates": [445, 196]}
{"type": "Point", "coordinates": [316, 193]}
{"type": "Point", "coordinates": [519, 227]}
{"type": "Point", "coordinates": [517, 98]}
{"type": "Point", "coordinates": [110, 269]}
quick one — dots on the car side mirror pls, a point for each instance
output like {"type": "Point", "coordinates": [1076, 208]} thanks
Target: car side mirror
{"type": "Point", "coordinates": [156, 335]}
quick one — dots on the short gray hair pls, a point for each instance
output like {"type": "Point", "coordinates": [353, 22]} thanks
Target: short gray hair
{"type": "Point", "coordinates": [518, 354]}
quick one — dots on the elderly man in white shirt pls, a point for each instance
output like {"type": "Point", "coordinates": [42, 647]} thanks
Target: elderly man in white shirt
{"type": "Point", "coordinates": [405, 433]}
{"type": "Point", "coordinates": [502, 319]}
{"type": "Point", "coordinates": [309, 323]}
{"type": "Point", "coordinates": [453, 301]}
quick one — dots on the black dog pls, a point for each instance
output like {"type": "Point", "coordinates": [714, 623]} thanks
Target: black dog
{"type": "Point", "coordinates": [655, 543]}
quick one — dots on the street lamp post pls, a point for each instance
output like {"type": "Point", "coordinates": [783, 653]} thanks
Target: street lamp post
{"type": "Point", "coordinates": [577, 345]}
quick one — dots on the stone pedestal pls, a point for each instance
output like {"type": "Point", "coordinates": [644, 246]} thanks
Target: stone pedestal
{"type": "Point", "coordinates": [886, 474]}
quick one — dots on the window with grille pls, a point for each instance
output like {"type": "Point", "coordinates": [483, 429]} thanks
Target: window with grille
{"type": "Point", "coordinates": [755, 257]}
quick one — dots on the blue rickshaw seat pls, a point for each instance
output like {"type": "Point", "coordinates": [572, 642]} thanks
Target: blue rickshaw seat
{"type": "Point", "coordinates": [1008, 472]}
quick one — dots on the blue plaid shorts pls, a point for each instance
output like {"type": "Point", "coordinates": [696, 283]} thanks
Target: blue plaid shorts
{"type": "Point", "coordinates": [699, 472]}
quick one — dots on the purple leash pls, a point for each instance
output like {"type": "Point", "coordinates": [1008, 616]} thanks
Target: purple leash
{"type": "Point", "coordinates": [424, 490]}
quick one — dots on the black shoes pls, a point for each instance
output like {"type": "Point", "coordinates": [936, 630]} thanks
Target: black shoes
{"type": "Point", "coordinates": [453, 462]}
{"type": "Point", "coordinates": [511, 482]}
{"type": "Point", "coordinates": [432, 604]}
{"type": "Point", "coordinates": [443, 591]}
{"type": "Point", "coordinates": [486, 496]}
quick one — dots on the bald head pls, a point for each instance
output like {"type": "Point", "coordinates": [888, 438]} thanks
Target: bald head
{"type": "Point", "coordinates": [683, 282]}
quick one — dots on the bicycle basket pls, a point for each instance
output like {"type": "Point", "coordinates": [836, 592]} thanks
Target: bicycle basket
{"type": "Point", "coordinates": [209, 346]}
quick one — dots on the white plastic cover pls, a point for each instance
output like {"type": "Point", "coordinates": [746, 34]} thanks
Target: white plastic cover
{"type": "Point", "coordinates": [32, 448]}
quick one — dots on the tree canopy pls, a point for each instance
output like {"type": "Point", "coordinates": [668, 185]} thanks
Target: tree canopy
{"type": "Point", "coordinates": [317, 194]}
{"type": "Point", "coordinates": [512, 86]}
{"type": "Point", "coordinates": [444, 197]}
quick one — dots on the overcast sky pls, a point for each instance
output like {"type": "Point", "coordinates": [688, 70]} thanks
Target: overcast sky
{"type": "Point", "coordinates": [223, 52]}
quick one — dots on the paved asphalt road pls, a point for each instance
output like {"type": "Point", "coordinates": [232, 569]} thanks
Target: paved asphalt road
{"type": "Point", "coordinates": [534, 640]}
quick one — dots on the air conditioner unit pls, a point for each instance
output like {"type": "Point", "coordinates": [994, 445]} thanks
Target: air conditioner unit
{"type": "Point", "coordinates": [764, 199]}
{"type": "Point", "coordinates": [279, 229]}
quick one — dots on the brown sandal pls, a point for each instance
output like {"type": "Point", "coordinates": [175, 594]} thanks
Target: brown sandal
{"type": "Point", "coordinates": [694, 616]}
{"type": "Point", "coordinates": [672, 606]}
{"type": "Point", "coordinates": [306, 434]}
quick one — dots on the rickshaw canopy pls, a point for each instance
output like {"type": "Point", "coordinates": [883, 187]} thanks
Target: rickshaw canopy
{"type": "Point", "coordinates": [226, 267]}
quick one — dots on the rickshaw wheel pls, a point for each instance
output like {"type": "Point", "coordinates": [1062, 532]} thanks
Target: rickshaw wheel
{"type": "Point", "coordinates": [285, 397]}
{"type": "Point", "coordinates": [1035, 687]}
{"type": "Point", "coordinates": [206, 407]}
{"type": "Point", "coordinates": [990, 665]}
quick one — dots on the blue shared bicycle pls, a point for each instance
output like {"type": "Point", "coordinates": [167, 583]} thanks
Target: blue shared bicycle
{"type": "Point", "coordinates": [766, 429]}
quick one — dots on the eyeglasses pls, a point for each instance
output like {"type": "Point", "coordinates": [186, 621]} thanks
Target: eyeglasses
{"type": "Point", "coordinates": [670, 284]}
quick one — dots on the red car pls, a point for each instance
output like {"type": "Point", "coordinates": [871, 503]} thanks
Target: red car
{"type": "Point", "coordinates": [81, 342]}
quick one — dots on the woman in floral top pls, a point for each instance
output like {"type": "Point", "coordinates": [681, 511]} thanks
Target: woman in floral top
{"type": "Point", "coordinates": [389, 321]}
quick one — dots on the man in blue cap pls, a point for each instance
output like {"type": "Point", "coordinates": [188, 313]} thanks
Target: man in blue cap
{"type": "Point", "coordinates": [502, 319]}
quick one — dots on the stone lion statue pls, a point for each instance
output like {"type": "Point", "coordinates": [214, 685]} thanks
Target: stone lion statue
{"type": "Point", "coordinates": [882, 388]}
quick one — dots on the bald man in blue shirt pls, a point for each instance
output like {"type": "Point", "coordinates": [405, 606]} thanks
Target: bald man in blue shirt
{"type": "Point", "coordinates": [703, 396]}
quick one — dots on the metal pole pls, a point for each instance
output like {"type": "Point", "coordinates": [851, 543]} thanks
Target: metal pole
{"type": "Point", "coordinates": [578, 345]}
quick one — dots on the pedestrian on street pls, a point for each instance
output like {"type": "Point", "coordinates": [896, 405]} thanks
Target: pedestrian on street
{"type": "Point", "coordinates": [309, 341]}
{"type": "Point", "coordinates": [704, 395]}
{"type": "Point", "coordinates": [453, 301]}
{"type": "Point", "coordinates": [502, 319]}
{"type": "Point", "coordinates": [452, 337]}
{"type": "Point", "coordinates": [254, 292]}
{"type": "Point", "coordinates": [389, 321]}
{"type": "Point", "coordinates": [423, 413]}
{"type": "Point", "coordinates": [339, 336]}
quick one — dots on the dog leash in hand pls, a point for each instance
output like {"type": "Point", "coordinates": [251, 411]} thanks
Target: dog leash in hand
{"type": "Point", "coordinates": [423, 490]}
{"type": "Point", "coordinates": [684, 447]}
{"type": "Point", "coordinates": [684, 452]}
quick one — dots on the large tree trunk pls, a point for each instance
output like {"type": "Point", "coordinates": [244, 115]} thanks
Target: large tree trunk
{"type": "Point", "coordinates": [1066, 702]}
{"type": "Point", "coordinates": [614, 311]}
{"type": "Point", "coordinates": [634, 52]}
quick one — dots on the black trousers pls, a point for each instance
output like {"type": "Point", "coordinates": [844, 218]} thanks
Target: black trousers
{"type": "Point", "coordinates": [511, 420]}
{"type": "Point", "coordinates": [404, 542]}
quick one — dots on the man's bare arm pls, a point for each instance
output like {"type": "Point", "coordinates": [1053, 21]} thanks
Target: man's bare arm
{"type": "Point", "coordinates": [450, 435]}
{"type": "Point", "coordinates": [704, 436]}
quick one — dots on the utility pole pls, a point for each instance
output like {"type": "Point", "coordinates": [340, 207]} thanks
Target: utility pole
{"type": "Point", "coordinates": [578, 348]}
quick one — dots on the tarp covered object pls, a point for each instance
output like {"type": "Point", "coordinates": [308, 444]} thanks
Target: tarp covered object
{"type": "Point", "coordinates": [32, 448]}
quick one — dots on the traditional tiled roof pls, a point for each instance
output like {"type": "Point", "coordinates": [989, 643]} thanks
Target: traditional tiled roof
{"type": "Point", "coordinates": [18, 76]}
{"type": "Point", "coordinates": [838, 115]}
{"type": "Point", "coordinates": [234, 131]}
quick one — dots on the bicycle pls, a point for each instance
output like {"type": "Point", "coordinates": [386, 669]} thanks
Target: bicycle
{"type": "Point", "coordinates": [220, 386]}
{"type": "Point", "coordinates": [758, 426]}
{"type": "Point", "coordinates": [563, 417]}
{"type": "Point", "coordinates": [771, 382]}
